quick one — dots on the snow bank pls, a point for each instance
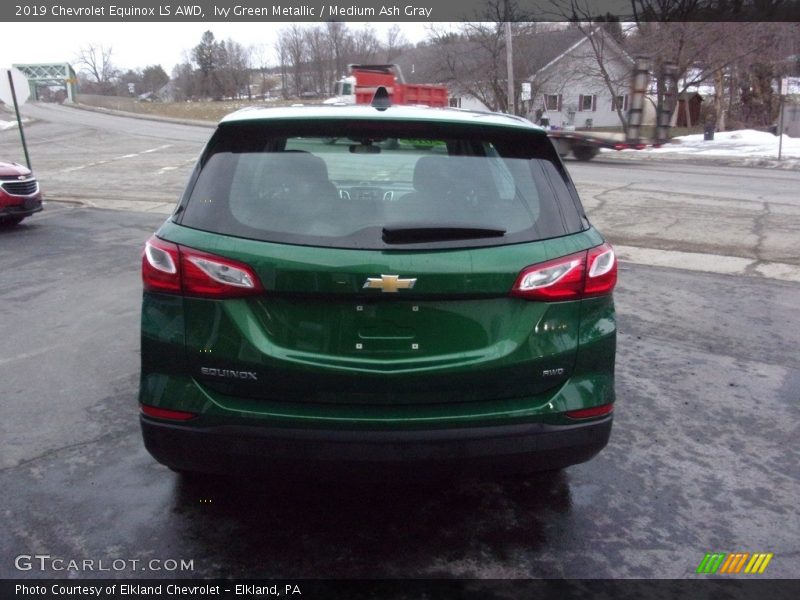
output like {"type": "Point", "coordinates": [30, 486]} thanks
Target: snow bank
{"type": "Point", "coordinates": [745, 143]}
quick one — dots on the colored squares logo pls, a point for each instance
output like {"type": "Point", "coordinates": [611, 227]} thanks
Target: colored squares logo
{"type": "Point", "coordinates": [735, 563]}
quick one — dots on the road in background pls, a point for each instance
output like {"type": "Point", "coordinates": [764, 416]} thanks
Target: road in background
{"type": "Point", "coordinates": [744, 220]}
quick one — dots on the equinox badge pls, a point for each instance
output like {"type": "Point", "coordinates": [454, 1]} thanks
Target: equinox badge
{"type": "Point", "coordinates": [389, 283]}
{"type": "Point", "coordinates": [228, 373]}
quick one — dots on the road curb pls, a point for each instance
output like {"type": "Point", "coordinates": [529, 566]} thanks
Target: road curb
{"type": "Point", "coordinates": [718, 161]}
{"type": "Point", "coordinates": [652, 257]}
{"type": "Point", "coordinates": [709, 263]}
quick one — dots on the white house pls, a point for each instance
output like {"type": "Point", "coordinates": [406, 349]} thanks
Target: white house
{"type": "Point", "coordinates": [570, 89]}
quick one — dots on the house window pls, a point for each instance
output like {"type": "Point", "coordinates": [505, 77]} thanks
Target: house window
{"type": "Point", "coordinates": [587, 102]}
{"type": "Point", "coordinates": [455, 102]}
{"type": "Point", "coordinates": [620, 102]}
{"type": "Point", "coordinates": [551, 102]}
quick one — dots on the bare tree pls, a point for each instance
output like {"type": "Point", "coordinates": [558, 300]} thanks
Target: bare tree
{"type": "Point", "coordinates": [293, 49]}
{"type": "Point", "coordinates": [319, 59]}
{"type": "Point", "coordinates": [234, 66]}
{"type": "Point", "coordinates": [750, 79]}
{"type": "Point", "coordinates": [260, 57]}
{"type": "Point", "coordinates": [396, 42]}
{"type": "Point", "coordinates": [95, 61]}
{"type": "Point", "coordinates": [473, 58]}
{"type": "Point", "coordinates": [364, 45]}
{"type": "Point", "coordinates": [283, 66]}
{"type": "Point", "coordinates": [337, 42]}
{"type": "Point", "coordinates": [185, 81]}
{"type": "Point", "coordinates": [719, 54]}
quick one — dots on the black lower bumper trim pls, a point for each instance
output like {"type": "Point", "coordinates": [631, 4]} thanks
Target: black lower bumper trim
{"type": "Point", "coordinates": [511, 448]}
{"type": "Point", "coordinates": [19, 210]}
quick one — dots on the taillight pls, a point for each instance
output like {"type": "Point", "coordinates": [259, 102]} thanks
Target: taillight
{"type": "Point", "coordinates": [208, 275]}
{"type": "Point", "coordinates": [163, 413]}
{"type": "Point", "coordinates": [580, 275]}
{"type": "Point", "coordinates": [160, 262]}
{"type": "Point", "coordinates": [601, 272]}
{"type": "Point", "coordinates": [170, 268]}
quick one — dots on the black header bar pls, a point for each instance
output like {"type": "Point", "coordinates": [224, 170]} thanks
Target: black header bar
{"type": "Point", "coordinates": [390, 11]}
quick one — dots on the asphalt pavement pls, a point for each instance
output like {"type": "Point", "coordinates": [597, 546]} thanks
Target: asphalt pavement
{"type": "Point", "coordinates": [702, 457]}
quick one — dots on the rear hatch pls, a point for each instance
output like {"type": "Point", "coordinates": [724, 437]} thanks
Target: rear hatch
{"type": "Point", "coordinates": [318, 334]}
{"type": "Point", "coordinates": [387, 265]}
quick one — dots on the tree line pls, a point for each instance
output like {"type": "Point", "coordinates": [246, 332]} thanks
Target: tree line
{"type": "Point", "coordinates": [303, 61]}
{"type": "Point", "coordinates": [739, 61]}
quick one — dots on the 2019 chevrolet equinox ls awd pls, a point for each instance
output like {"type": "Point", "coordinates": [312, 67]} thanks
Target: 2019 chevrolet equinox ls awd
{"type": "Point", "coordinates": [341, 285]}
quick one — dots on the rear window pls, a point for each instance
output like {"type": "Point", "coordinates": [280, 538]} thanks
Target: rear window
{"type": "Point", "coordinates": [370, 185]}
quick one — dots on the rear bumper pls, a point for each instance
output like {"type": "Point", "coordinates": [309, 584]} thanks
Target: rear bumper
{"type": "Point", "coordinates": [316, 452]}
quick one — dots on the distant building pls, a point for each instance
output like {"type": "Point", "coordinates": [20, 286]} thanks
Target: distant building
{"type": "Point", "coordinates": [688, 109]}
{"type": "Point", "coordinates": [569, 89]}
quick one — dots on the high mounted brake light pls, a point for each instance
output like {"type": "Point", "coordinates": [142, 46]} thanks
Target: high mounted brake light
{"type": "Point", "coordinates": [584, 274]}
{"type": "Point", "coordinates": [174, 269]}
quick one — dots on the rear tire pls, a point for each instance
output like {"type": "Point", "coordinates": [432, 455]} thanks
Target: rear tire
{"type": "Point", "coordinates": [584, 152]}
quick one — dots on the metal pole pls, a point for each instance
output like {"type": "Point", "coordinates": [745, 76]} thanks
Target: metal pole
{"type": "Point", "coordinates": [19, 120]}
{"type": "Point", "coordinates": [780, 131]}
{"type": "Point", "coordinates": [510, 69]}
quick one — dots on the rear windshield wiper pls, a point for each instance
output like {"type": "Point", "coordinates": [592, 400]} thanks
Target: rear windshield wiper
{"type": "Point", "coordinates": [404, 234]}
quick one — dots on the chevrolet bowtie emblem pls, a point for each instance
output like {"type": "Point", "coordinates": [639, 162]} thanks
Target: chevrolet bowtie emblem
{"type": "Point", "coordinates": [389, 283]}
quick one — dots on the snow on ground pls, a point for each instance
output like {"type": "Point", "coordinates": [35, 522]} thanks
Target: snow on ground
{"type": "Point", "coordinates": [7, 124]}
{"type": "Point", "coordinates": [742, 143]}
{"type": "Point", "coordinates": [746, 147]}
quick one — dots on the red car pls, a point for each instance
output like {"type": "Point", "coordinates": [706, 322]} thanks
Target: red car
{"type": "Point", "coordinates": [20, 196]}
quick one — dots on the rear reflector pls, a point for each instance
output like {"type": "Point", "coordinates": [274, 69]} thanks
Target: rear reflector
{"type": "Point", "coordinates": [163, 413]}
{"type": "Point", "coordinates": [590, 413]}
{"type": "Point", "coordinates": [592, 272]}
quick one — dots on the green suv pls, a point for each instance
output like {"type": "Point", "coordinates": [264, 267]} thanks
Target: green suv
{"type": "Point", "coordinates": [346, 286]}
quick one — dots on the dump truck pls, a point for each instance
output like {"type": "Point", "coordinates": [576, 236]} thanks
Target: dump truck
{"type": "Point", "coordinates": [585, 146]}
{"type": "Point", "coordinates": [359, 86]}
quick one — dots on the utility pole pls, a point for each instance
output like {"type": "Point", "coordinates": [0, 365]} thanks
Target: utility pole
{"type": "Point", "coordinates": [780, 130]}
{"type": "Point", "coordinates": [510, 69]}
{"type": "Point", "coordinates": [13, 91]}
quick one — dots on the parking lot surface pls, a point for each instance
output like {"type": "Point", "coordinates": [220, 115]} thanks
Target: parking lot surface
{"type": "Point", "coordinates": [702, 458]}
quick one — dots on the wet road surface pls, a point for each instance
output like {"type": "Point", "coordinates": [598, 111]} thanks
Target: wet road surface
{"type": "Point", "coordinates": [703, 456]}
